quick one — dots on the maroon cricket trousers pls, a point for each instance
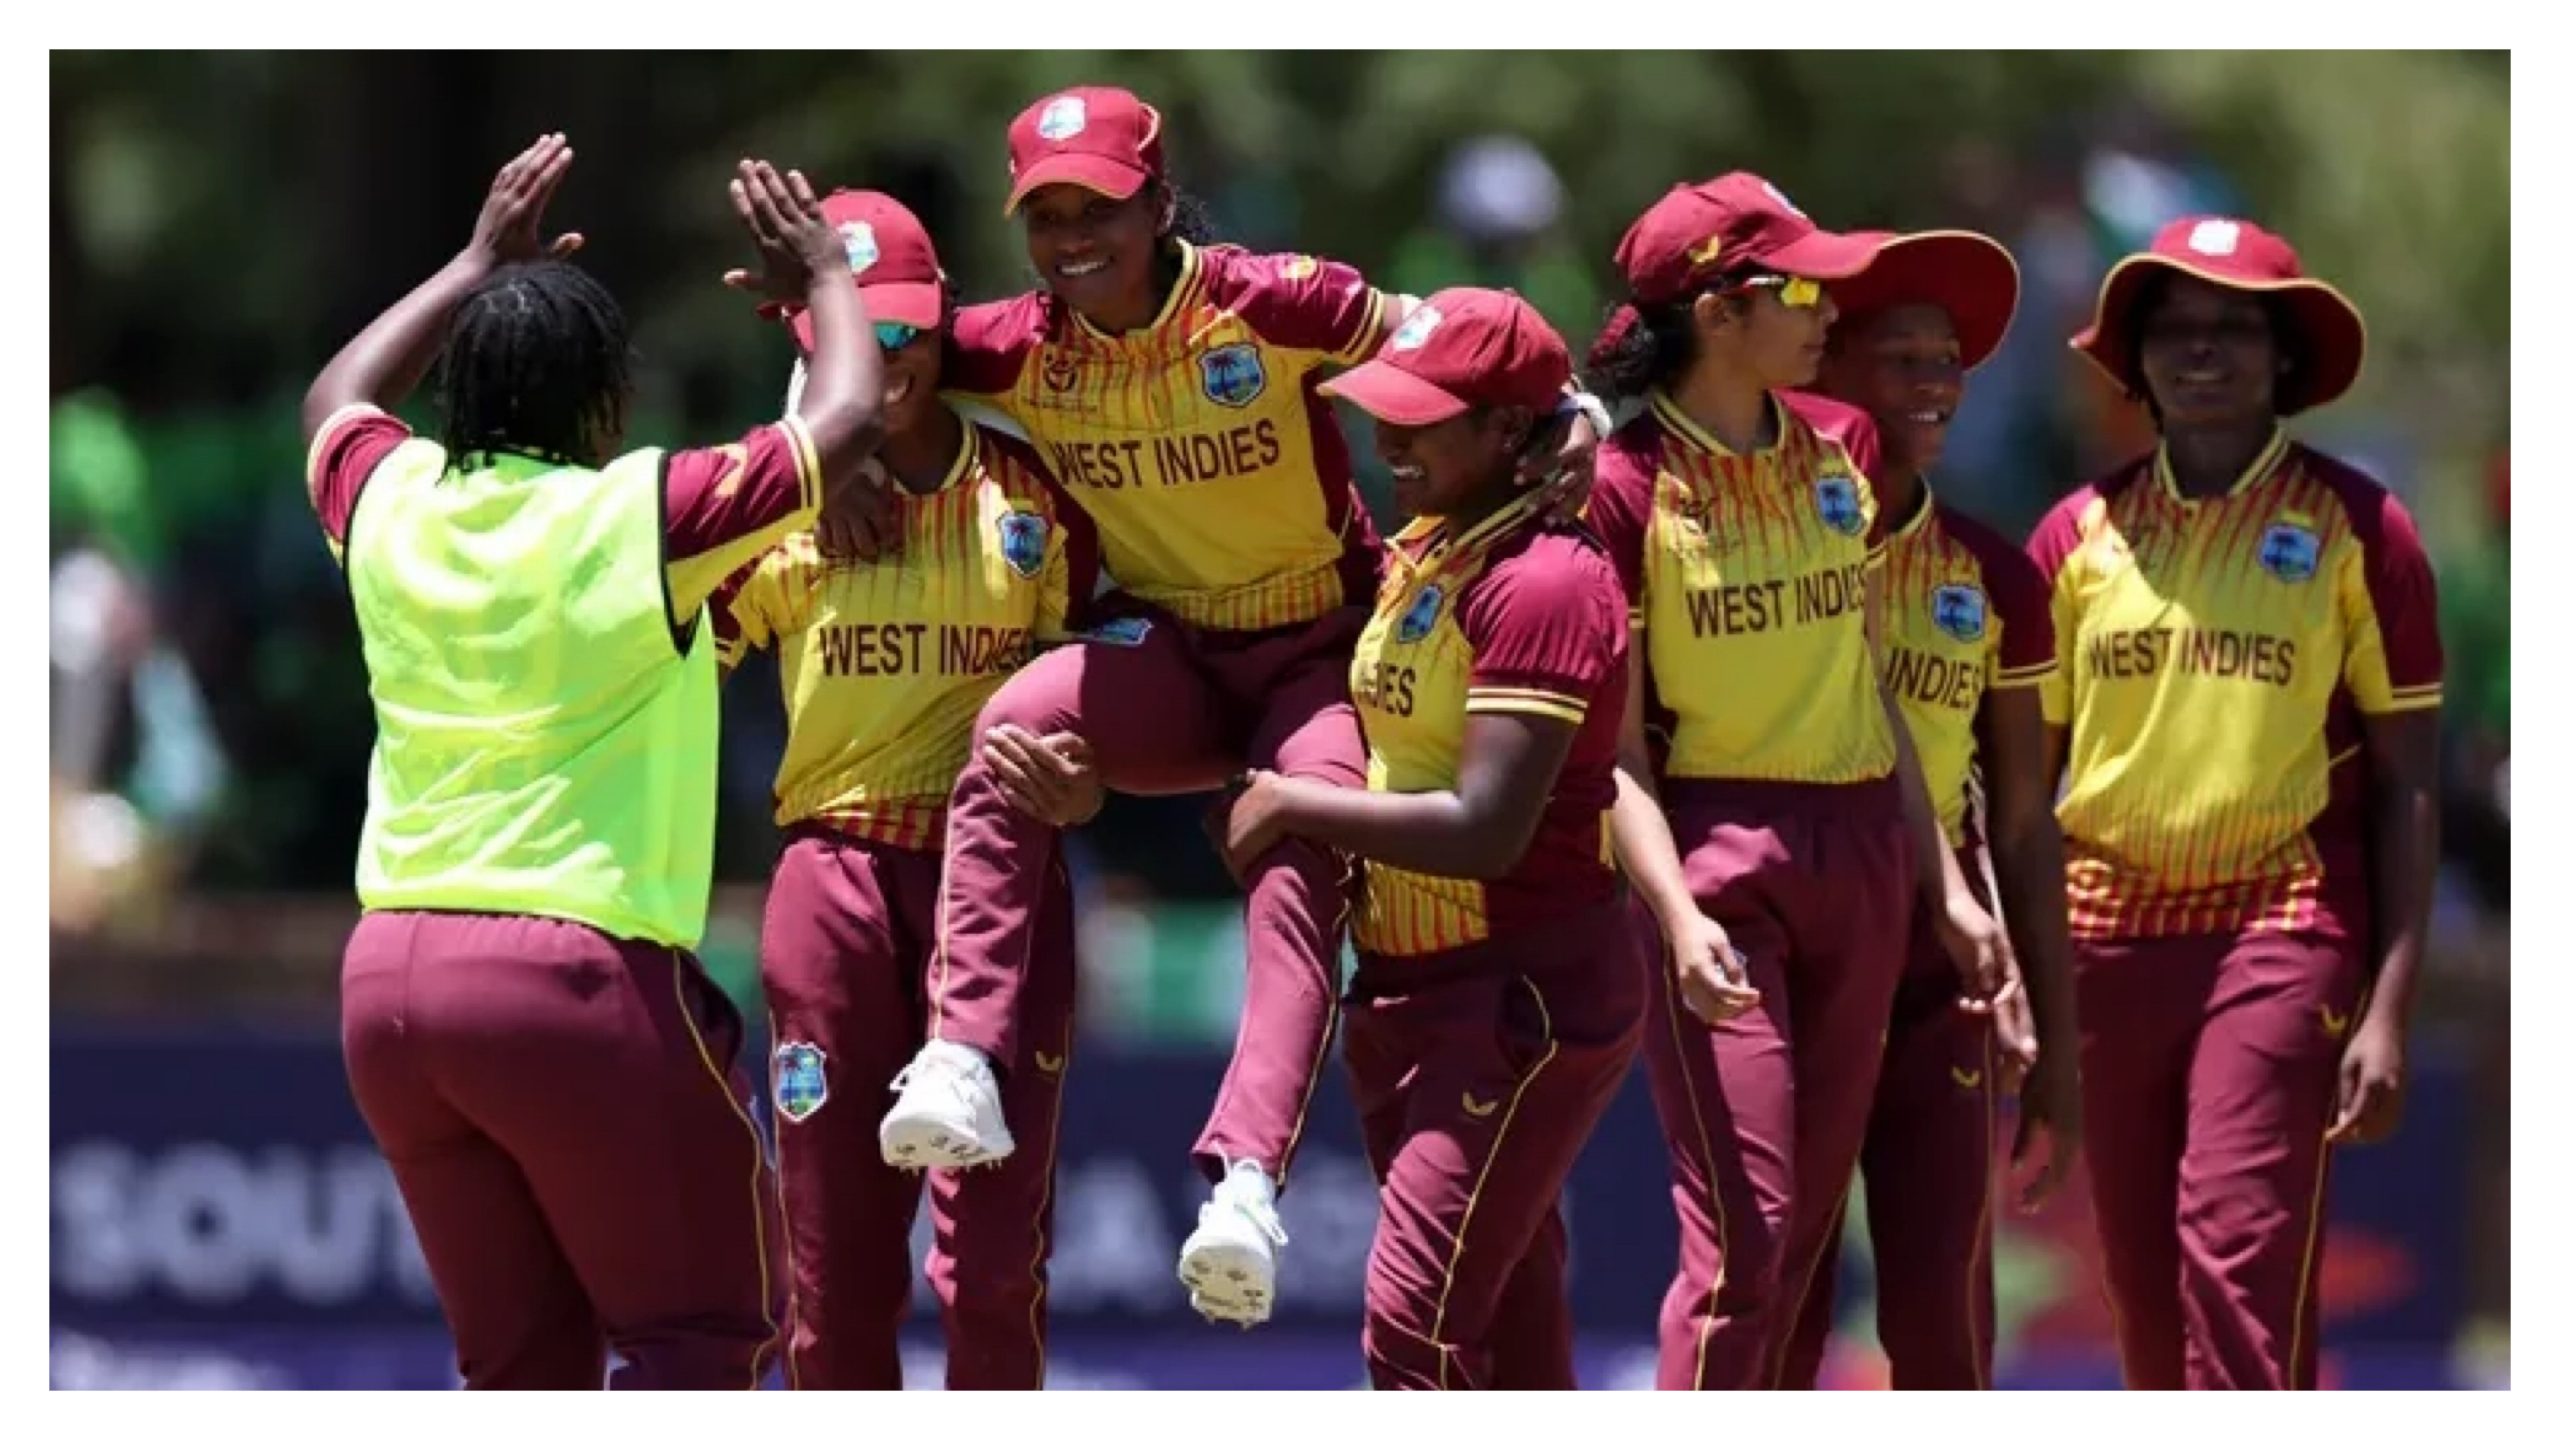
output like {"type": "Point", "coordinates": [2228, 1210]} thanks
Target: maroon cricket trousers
{"type": "Point", "coordinates": [848, 960]}
{"type": "Point", "coordinates": [569, 1127]}
{"type": "Point", "coordinates": [1929, 1158]}
{"type": "Point", "coordinates": [2209, 1065]}
{"type": "Point", "coordinates": [1169, 709]}
{"type": "Point", "coordinates": [1765, 1113]}
{"type": "Point", "coordinates": [1479, 1074]}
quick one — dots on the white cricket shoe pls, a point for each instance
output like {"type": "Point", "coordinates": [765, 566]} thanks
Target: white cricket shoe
{"type": "Point", "coordinates": [1231, 1261]}
{"type": "Point", "coordinates": [947, 1116]}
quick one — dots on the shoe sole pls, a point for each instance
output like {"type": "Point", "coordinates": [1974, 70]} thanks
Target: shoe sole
{"type": "Point", "coordinates": [1228, 1279]}
{"type": "Point", "coordinates": [926, 1142]}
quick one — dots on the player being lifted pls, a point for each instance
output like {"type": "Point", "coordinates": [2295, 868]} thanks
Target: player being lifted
{"type": "Point", "coordinates": [1170, 382]}
{"type": "Point", "coordinates": [550, 1074]}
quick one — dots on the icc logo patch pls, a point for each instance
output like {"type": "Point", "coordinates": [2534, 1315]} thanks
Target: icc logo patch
{"type": "Point", "coordinates": [2289, 552]}
{"type": "Point", "coordinates": [1060, 371]}
{"type": "Point", "coordinates": [1024, 540]}
{"type": "Point", "coordinates": [799, 1080]}
{"type": "Point", "coordinates": [1418, 620]}
{"type": "Point", "coordinates": [1231, 375]}
{"type": "Point", "coordinates": [1298, 267]}
{"type": "Point", "coordinates": [861, 247]}
{"type": "Point", "coordinates": [1959, 611]}
{"type": "Point", "coordinates": [1836, 500]}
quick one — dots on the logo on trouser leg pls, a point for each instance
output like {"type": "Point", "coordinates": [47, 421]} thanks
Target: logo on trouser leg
{"type": "Point", "coordinates": [799, 1080]}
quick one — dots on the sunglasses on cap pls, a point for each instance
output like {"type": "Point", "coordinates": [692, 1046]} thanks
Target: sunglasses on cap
{"type": "Point", "coordinates": [1796, 292]}
{"type": "Point", "coordinates": [894, 337]}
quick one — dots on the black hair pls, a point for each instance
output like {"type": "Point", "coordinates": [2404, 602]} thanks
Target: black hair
{"type": "Point", "coordinates": [1191, 220]}
{"type": "Point", "coordinates": [538, 362]}
{"type": "Point", "coordinates": [2293, 348]}
{"type": "Point", "coordinates": [1644, 347]}
{"type": "Point", "coordinates": [1640, 348]}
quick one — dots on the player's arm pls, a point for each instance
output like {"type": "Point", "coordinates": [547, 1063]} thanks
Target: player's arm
{"type": "Point", "coordinates": [2026, 859]}
{"type": "Point", "coordinates": [1546, 631]}
{"type": "Point", "coordinates": [2395, 672]}
{"type": "Point", "coordinates": [385, 362]}
{"type": "Point", "coordinates": [1478, 831]}
{"type": "Point", "coordinates": [839, 413]}
{"type": "Point", "coordinates": [1972, 937]}
{"type": "Point", "coordinates": [1714, 978]}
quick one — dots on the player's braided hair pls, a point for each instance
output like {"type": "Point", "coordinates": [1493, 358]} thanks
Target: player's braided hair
{"type": "Point", "coordinates": [538, 362]}
{"type": "Point", "coordinates": [1640, 348]}
{"type": "Point", "coordinates": [2293, 348]}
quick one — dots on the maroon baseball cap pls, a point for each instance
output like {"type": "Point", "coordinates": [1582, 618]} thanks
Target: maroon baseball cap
{"type": "Point", "coordinates": [1700, 231]}
{"type": "Point", "coordinates": [2237, 255]}
{"type": "Point", "coordinates": [892, 260]}
{"type": "Point", "coordinates": [1097, 136]}
{"type": "Point", "coordinates": [1972, 277]}
{"type": "Point", "coordinates": [1458, 350]}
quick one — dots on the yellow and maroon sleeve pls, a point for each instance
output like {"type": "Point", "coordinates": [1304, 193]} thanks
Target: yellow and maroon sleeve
{"type": "Point", "coordinates": [2020, 603]}
{"type": "Point", "coordinates": [1298, 302]}
{"type": "Point", "coordinates": [1619, 512]}
{"type": "Point", "coordinates": [990, 346]}
{"type": "Point", "coordinates": [727, 504]}
{"type": "Point", "coordinates": [2394, 653]}
{"type": "Point", "coordinates": [342, 457]}
{"type": "Point", "coordinates": [2050, 551]}
{"type": "Point", "coordinates": [1547, 627]}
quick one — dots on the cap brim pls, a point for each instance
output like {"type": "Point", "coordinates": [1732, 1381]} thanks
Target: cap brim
{"type": "Point", "coordinates": [1972, 277]}
{"type": "Point", "coordinates": [1395, 396]}
{"type": "Point", "coordinates": [907, 303]}
{"type": "Point", "coordinates": [1100, 174]}
{"type": "Point", "coordinates": [2332, 329]}
{"type": "Point", "coordinates": [1821, 255]}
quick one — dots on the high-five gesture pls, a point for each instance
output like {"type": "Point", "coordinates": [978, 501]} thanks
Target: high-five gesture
{"type": "Point", "coordinates": [793, 240]}
{"type": "Point", "coordinates": [511, 218]}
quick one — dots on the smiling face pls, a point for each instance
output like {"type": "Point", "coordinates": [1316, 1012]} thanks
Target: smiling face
{"type": "Point", "coordinates": [911, 375]}
{"type": "Point", "coordinates": [1096, 253]}
{"type": "Point", "coordinates": [1442, 469]}
{"type": "Point", "coordinates": [2210, 355]}
{"type": "Point", "coordinates": [1902, 366]}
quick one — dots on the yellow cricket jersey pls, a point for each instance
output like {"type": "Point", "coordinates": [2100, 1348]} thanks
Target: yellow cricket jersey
{"type": "Point", "coordinates": [1218, 483]}
{"type": "Point", "coordinates": [1748, 578]}
{"type": "Point", "coordinates": [2215, 657]}
{"type": "Point", "coordinates": [886, 663]}
{"type": "Point", "coordinates": [1509, 619]}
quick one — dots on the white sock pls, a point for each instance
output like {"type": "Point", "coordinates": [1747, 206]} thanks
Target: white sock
{"type": "Point", "coordinates": [968, 1056]}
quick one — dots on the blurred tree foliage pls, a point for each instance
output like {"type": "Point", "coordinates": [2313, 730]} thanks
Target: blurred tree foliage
{"type": "Point", "coordinates": [220, 222]}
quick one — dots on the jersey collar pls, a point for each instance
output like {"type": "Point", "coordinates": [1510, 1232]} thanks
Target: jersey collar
{"type": "Point", "coordinates": [2259, 469]}
{"type": "Point", "coordinates": [1690, 432]}
{"type": "Point", "coordinates": [1920, 514]}
{"type": "Point", "coordinates": [1186, 280]}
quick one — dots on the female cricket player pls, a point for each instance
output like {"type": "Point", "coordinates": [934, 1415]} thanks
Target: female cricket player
{"type": "Point", "coordinates": [1499, 996]}
{"type": "Point", "coordinates": [1799, 823]}
{"type": "Point", "coordinates": [1170, 384]}
{"type": "Point", "coordinates": [1970, 636]}
{"type": "Point", "coordinates": [884, 667]}
{"type": "Point", "coordinates": [547, 1069]}
{"type": "Point", "coordinates": [2246, 706]}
